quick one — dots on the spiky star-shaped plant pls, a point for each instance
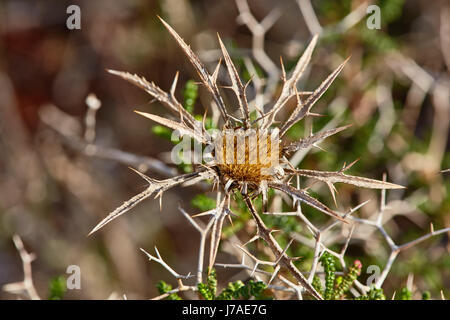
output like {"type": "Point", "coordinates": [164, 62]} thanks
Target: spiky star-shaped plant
{"type": "Point", "coordinates": [235, 167]}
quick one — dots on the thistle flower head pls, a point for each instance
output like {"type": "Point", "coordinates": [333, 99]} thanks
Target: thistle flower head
{"type": "Point", "coordinates": [249, 157]}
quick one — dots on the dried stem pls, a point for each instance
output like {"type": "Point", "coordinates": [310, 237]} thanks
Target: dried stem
{"type": "Point", "coordinates": [27, 284]}
{"type": "Point", "coordinates": [264, 233]}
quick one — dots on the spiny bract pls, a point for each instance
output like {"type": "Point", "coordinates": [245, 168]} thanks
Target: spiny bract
{"type": "Point", "coordinates": [246, 175]}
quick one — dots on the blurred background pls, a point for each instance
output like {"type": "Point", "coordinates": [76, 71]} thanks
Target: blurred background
{"type": "Point", "coordinates": [53, 191]}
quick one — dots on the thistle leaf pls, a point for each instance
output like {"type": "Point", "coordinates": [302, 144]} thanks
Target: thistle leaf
{"type": "Point", "coordinates": [156, 186]}
{"type": "Point", "coordinates": [302, 196]}
{"type": "Point", "coordinates": [237, 86]}
{"type": "Point", "coordinates": [303, 109]}
{"type": "Point", "coordinates": [152, 89]}
{"type": "Point", "coordinates": [182, 129]}
{"type": "Point", "coordinates": [289, 85]}
{"type": "Point", "coordinates": [203, 73]}
{"type": "Point", "coordinates": [339, 176]}
{"type": "Point", "coordinates": [311, 140]}
{"type": "Point", "coordinates": [216, 232]}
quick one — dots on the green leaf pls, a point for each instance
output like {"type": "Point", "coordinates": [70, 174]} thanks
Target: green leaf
{"type": "Point", "coordinates": [373, 294]}
{"type": "Point", "coordinates": [162, 132]}
{"type": "Point", "coordinates": [239, 290]}
{"type": "Point", "coordinates": [203, 203]}
{"type": "Point", "coordinates": [317, 285]}
{"type": "Point", "coordinates": [329, 264]}
{"type": "Point", "coordinates": [347, 281]}
{"type": "Point", "coordinates": [190, 94]}
{"type": "Point", "coordinates": [57, 288]}
{"type": "Point", "coordinates": [404, 294]}
{"type": "Point", "coordinates": [426, 295]}
{"type": "Point", "coordinates": [164, 287]}
{"type": "Point", "coordinates": [208, 290]}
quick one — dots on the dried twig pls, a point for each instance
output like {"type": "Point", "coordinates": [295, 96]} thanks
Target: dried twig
{"type": "Point", "coordinates": [26, 285]}
{"type": "Point", "coordinates": [57, 121]}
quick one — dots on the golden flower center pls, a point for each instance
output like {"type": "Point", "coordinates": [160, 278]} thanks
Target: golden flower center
{"type": "Point", "coordinates": [247, 156]}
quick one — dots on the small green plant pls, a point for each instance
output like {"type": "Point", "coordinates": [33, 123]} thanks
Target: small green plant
{"type": "Point", "coordinates": [57, 288]}
{"type": "Point", "coordinates": [426, 295]}
{"type": "Point", "coordinates": [404, 294]}
{"type": "Point", "coordinates": [203, 202]}
{"type": "Point", "coordinates": [373, 294]}
{"type": "Point", "coordinates": [239, 290]}
{"type": "Point", "coordinates": [190, 94]}
{"type": "Point", "coordinates": [208, 290]}
{"type": "Point", "coordinates": [234, 290]}
{"type": "Point", "coordinates": [336, 287]}
{"type": "Point", "coordinates": [163, 288]}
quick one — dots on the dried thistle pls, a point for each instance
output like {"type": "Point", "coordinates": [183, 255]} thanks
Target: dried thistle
{"type": "Point", "coordinates": [254, 159]}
